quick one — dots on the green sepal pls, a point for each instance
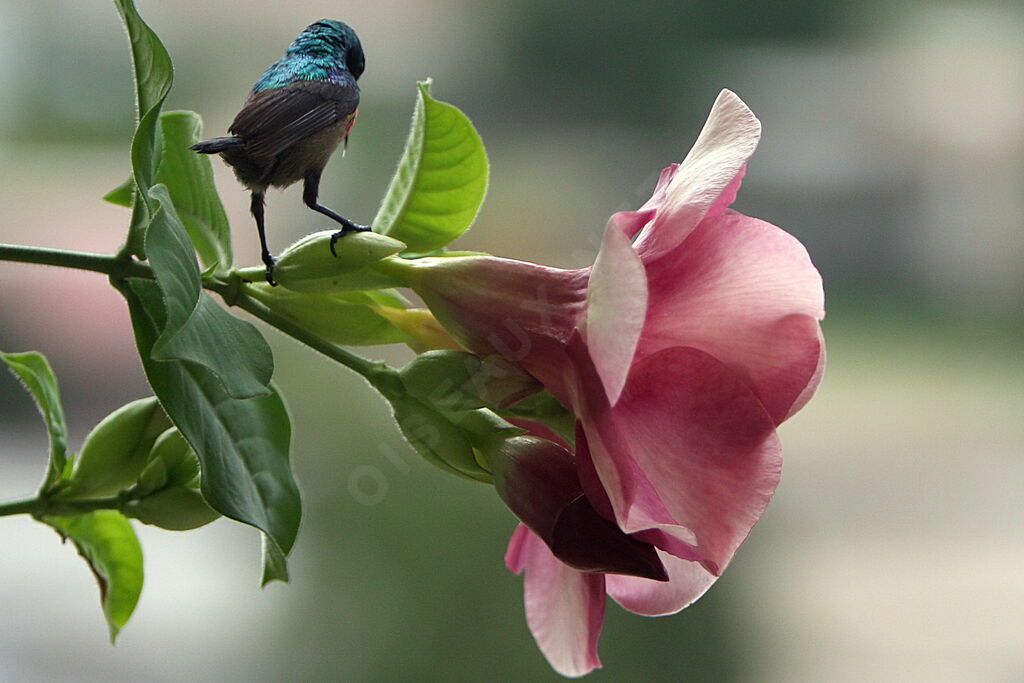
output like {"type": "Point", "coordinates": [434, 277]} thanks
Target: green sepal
{"type": "Point", "coordinates": [346, 318]}
{"type": "Point", "coordinates": [107, 542]}
{"type": "Point", "coordinates": [545, 408]}
{"type": "Point", "coordinates": [459, 380]}
{"type": "Point", "coordinates": [116, 450]}
{"type": "Point", "coordinates": [441, 180]}
{"type": "Point", "coordinates": [437, 439]}
{"type": "Point", "coordinates": [35, 373]}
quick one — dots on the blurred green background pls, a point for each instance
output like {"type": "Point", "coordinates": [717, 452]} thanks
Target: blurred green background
{"type": "Point", "coordinates": [893, 148]}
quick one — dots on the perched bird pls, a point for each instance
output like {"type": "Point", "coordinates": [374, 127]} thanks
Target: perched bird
{"type": "Point", "coordinates": [293, 119]}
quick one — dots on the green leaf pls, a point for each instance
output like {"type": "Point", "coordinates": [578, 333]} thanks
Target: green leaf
{"type": "Point", "coordinates": [243, 444]}
{"type": "Point", "coordinates": [106, 540]}
{"type": "Point", "coordinates": [123, 194]}
{"type": "Point", "coordinates": [189, 180]}
{"type": "Point", "coordinates": [153, 76]}
{"type": "Point", "coordinates": [441, 179]}
{"type": "Point", "coordinates": [196, 328]}
{"type": "Point", "coordinates": [116, 450]}
{"type": "Point", "coordinates": [35, 373]}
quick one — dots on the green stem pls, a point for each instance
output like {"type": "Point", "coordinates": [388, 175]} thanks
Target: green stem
{"type": "Point", "coordinates": [79, 260]}
{"type": "Point", "coordinates": [43, 506]}
{"type": "Point", "coordinates": [379, 375]}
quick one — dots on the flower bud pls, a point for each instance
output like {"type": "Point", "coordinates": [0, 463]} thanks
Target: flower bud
{"type": "Point", "coordinates": [178, 508]}
{"type": "Point", "coordinates": [347, 318]}
{"type": "Point", "coordinates": [422, 331]}
{"type": "Point", "coordinates": [458, 380]}
{"type": "Point", "coordinates": [171, 462]}
{"type": "Point", "coordinates": [537, 479]}
{"type": "Point", "coordinates": [116, 450]}
{"type": "Point", "coordinates": [166, 494]}
{"type": "Point", "coordinates": [310, 266]}
{"type": "Point", "coordinates": [437, 438]}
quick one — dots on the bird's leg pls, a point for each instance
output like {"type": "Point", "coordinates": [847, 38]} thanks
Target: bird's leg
{"type": "Point", "coordinates": [256, 206]}
{"type": "Point", "coordinates": [310, 192]}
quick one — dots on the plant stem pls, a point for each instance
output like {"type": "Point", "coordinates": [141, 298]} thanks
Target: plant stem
{"type": "Point", "coordinates": [376, 373]}
{"type": "Point", "coordinates": [79, 260]}
{"type": "Point", "coordinates": [43, 506]}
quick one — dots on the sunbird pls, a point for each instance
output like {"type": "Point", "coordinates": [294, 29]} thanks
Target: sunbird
{"type": "Point", "coordinates": [294, 118]}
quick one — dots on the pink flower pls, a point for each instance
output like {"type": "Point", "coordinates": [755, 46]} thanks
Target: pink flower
{"type": "Point", "coordinates": [695, 333]}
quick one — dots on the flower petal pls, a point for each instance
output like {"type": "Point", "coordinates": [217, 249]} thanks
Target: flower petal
{"type": "Point", "coordinates": [687, 581]}
{"type": "Point", "coordinates": [537, 479]}
{"type": "Point", "coordinates": [632, 222]}
{"type": "Point", "coordinates": [564, 607]}
{"type": "Point", "coordinates": [710, 171]}
{"type": "Point", "coordinates": [747, 293]}
{"type": "Point", "coordinates": [616, 310]}
{"type": "Point", "coordinates": [520, 310]}
{"type": "Point", "coordinates": [687, 443]}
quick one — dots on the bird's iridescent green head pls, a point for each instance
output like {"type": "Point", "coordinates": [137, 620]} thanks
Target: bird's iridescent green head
{"type": "Point", "coordinates": [326, 50]}
{"type": "Point", "coordinates": [333, 38]}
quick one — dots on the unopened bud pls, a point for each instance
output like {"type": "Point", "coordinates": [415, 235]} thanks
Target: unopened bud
{"type": "Point", "coordinates": [458, 380]}
{"type": "Point", "coordinates": [310, 266]}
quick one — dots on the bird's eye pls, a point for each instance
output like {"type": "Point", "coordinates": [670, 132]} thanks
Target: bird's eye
{"type": "Point", "coordinates": [356, 62]}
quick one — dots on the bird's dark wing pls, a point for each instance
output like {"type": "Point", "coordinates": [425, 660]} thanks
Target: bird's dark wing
{"type": "Point", "coordinates": [273, 120]}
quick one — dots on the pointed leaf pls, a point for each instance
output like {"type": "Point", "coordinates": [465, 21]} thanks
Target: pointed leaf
{"type": "Point", "coordinates": [243, 444]}
{"type": "Point", "coordinates": [35, 373]}
{"type": "Point", "coordinates": [196, 328]}
{"type": "Point", "coordinates": [123, 194]}
{"type": "Point", "coordinates": [441, 179]}
{"type": "Point", "coordinates": [106, 540]}
{"type": "Point", "coordinates": [189, 180]}
{"type": "Point", "coordinates": [153, 75]}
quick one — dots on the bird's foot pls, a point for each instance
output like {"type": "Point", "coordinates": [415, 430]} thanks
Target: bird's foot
{"type": "Point", "coordinates": [348, 229]}
{"type": "Point", "coordinates": [270, 262]}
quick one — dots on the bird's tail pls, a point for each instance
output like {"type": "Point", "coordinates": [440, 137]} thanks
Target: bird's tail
{"type": "Point", "coordinates": [218, 145]}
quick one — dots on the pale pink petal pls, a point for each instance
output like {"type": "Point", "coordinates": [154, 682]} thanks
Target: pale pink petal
{"type": "Point", "coordinates": [687, 582]}
{"type": "Point", "coordinates": [654, 521]}
{"type": "Point", "coordinates": [711, 169]}
{"type": "Point", "coordinates": [632, 222]}
{"type": "Point", "coordinates": [616, 310]}
{"type": "Point", "coordinates": [661, 189]}
{"type": "Point", "coordinates": [747, 293]}
{"type": "Point", "coordinates": [629, 223]}
{"type": "Point", "coordinates": [564, 607]}
{"type": "Point", "coordinates": [687, 443]}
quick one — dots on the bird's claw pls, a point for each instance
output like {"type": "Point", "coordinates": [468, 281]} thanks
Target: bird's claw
{"type": "Point", "coordinates": [270, 263]}
{"type": "Point", "coordinates": [353, 227]}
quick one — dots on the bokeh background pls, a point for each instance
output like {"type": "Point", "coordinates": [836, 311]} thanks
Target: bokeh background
{"type": "Point", "coordinates": [893, 148]}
